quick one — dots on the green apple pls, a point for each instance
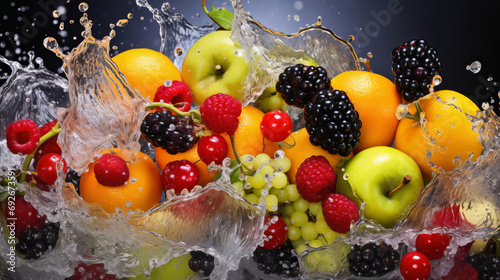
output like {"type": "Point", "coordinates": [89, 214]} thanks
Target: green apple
{"type": "Point", "coordinates": [215, 64]}
{"type": "Point", "coordinates": [175, 269]}
{"type": "Point", "coordinates": [373, 176]}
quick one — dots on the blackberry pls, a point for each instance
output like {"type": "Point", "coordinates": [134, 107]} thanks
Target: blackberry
{"type": "Point", "coordinates": [201, 263]}
{"type": "Point", "coordinates": [332, 122]}
{"type": "Point", "coordinates": [34, 242]}
{"type": "Point", "coordinates": [74, 178]}
{"type": "Point", "coordinates": [414, 63]}
{"type": "Point", "coordinates": [165, 129]}
{"type": "Point", "coordinates": [278, 261]}
{"type": "Point", "coordinates": [487, 264]}
{"type": "Point", "coordinates": [372, 259]}
{"type": "Point", "coordinates": [298, 84]}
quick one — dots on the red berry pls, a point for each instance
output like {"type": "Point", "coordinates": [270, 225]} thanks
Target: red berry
{"type": "Point", "coordinates": [179, 175]}
{"type": "Point", "coordinates": [91, 272]}
{"type": "Point", "coordinates": [22, 136]}
{"type": "Point", "coordinates": [212, 148]}
{"type": "Point", "coordinates": [48, 166]}
{"type": "Point", "coordinates": [415, 266]}
{"type": "Point", "coordinates": [276, 232]}
{"type": "Point", "coordinates": [111, 170]}
{"type": "Point", "coordinates": [178, 92]}
{"type": "Point", "coordinates": [220, 113]}
{"type": "Point", "coordinates": [315, 178]}
{"type": "Point", "coordinates": [432, 245]}
{"type": "Point", "coordinates": [339, 211]}
{"type": "Point", "coordinates": [23, 214]}
{"type": "Point", "coordinates": [276, 126]}
{"type": "Point", "coordinates": [46, 148]}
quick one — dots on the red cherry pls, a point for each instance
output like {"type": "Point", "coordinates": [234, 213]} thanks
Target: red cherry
{"type": "Point", "coordinates": [23, 214]}
{"type": "Point", "coordinates": [91, 271]}
{"type": "Point", "coordinates": [47, 167]}
{"type": "Point", "coordinates": [179, 175]}
{"type": "Point", "coordinates": [432, 245]}
{"type": "Point", "coordinates": [212, 148]}
{"type": "Point", "coordinates": [276, 126]}
{"type": "Point", "coordinates": [276, 232]}
{"type": "Point", "coordinates": [415, 266]}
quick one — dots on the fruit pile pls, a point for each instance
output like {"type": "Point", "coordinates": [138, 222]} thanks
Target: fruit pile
{"type": "Point", "coordinates": [353, 158]}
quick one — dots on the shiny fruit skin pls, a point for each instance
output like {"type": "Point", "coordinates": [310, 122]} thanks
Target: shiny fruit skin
{"type": "Point", "coordinates": [276, 232]}
{"type": "Point", "coordinates": [276, 126]}
{"type": "Point", "coordinates": [432, 245]}
{"type": "Point", "coordinates": [212, 148]}
{"type": "Point", "coordinates": [47, 167]}
{"type": "Point", "coordinates": [415, 266]}
{"type": "Point", "coordinates": [180, 175]}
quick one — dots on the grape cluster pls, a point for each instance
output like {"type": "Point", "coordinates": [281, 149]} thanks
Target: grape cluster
{"type": "Point", "coordinates": [34, 242]}
{"type": "Point", "coordinates": [201, 262]}
{"type": "Point", "coordinates": [165, 129]}
{"type": "Point", "coordinates": [372, 259]}
{"type": "Point", "coordinates": [278, 261]}
{"type": "Point", "coordinates": [271, 100]}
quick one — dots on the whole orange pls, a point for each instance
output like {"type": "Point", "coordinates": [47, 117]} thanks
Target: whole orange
{"type": "Point", "coordinates": [302, 150]}
{"type": "Point", "coordinates": [376, 99]}
{"type": "Point", "coordinates": [446, 132]}
{"type": "Point", "coordinates": [248, 137]}
{"type": "Point", "coordinates": [146, 70]}
{"type": "Point", "coordinates": [163, 158]}
{"type": "Point", "coordinates": [141, 192]}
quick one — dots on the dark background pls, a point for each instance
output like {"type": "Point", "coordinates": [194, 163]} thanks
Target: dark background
{"type": "Point", "coordinates": [461, 31]}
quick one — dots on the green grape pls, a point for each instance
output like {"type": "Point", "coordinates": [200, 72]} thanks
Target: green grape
{"type": "Point", "coordinates": [257, 181]}
{"type": "Point", "coordinates": [301, 248]}
{"type": "Point", "coordinates": [316, 243]}
{"type": "Point", "coordinates": [247, 163]}
{"type": "Point", "coordinates": [297, 242]}
{"type": "Point", "coordinates": [280, 180]}
{"type": "Point", "coordinates": [258, 191]}
{"type": "Point", "coordinates": [301, 205]}
{"type": "Point", "coordinates": [261, 159]}
{"type": "Point", "coordinates": [321, 226]}
{"type": "Point", "coordinates": [252, 198]}
{"type": "Point", "coordinates": [287, 220]}
{"type": "Point", "coordinates": [283, 162]}
{"type": "Point", "coordinates": [266, 170]}
{"type": "Point", "coordinates": [315, 208]}
{"type": "Point", "coordinates": [330, 236]}
{"type": "Point", "coordinates": [308, 231]}
{"type": "Point", "coordinates": [271, 202]}
{"type": "Point", "coordinates": [287, 210]}
{"type": "Point", "coordinates": [319, 216]}
{"type": "Point", "coordinates": [299, 219]}
{"type": "Point", "coordinates": [294, 233]}
{"type": "Point", "coordinates": [293, 193]}
{"type": "Point", "coordinates": [280, 194]}
{"type": "Point", "coordinates": [238, 186]}
{"type": "Point", "coordinates": [273, 102]}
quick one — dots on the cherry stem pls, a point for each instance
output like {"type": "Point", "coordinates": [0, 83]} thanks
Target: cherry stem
{"type": "Point", "coordinates": [406, 180]}
{"type": "Point", "coordinates": [416, 116]}
{"type": "Point", "coordinates": [236, 155]}
{"type": "Point", "coordinates": [53, 132]}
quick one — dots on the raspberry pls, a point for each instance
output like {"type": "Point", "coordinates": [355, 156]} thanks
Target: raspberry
{"type": "Point", "coordinates": [111, 170]}
{"type": "Point", "coordinates": [220, 113]}
{"type": "Point", "coordinates": [315, 178]}
{"type": "Point", "coordinates": [339, 211]}
{"type": "Point", "coordinates": [177, 92]}
{"type": "Point", "coordinates": [22, 136]}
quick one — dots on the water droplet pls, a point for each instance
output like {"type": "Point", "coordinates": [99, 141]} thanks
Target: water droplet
{"type": "Point", "coordinates": [474, 67]}
{"type": "Point", "coordinates": [71, 21]}
{"type": "Point", "coordinates": [122, 23]}
{"type": "Point", "coordinates": [369, 54]}
{"type": "Point", "coordinates": [489, 79]}
{"type": "Point", "coordinates": [296, 18]}
{"type": "Point", "coordinates": [112, 25]}
{"type": "Point", "coordinates": [83, 7]}
{"type": "Point", "coordinates": [401, 111]}
{"type": "Point", "coordinates": [167, 83]}
{"type": "Point", "coordinates": [350, 39]}
{"type": "Point", "coordinates": [112, 33]}
{"type": "Point", "coordinates": [56, 14]}
{"type": "Point", "coordinates": [457, 161]}
{"type": "Point", "coordinates": [436, 80]}
{"type": "Point", "coordinates": [61, 26]}
{"type": "Point", "coordinates": [130, 15]}
{"type": "Point", "coordinates": [142, 18]}
{"type": "Point", "coordinates": [133, 180]}
{"type": "Point", "coordinates": [178, 52]}
{"type": "Point", "coordinates": [50, 43]}
{"type": "Point", "coordinates": [346, 176]}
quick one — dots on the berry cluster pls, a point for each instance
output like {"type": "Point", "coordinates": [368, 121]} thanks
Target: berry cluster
{"type": "Point", "coordinates": [34, 242]}
{"type": "Point", "coordinates": [487, 263]}
{"type": "Point", "coordinates": [169, 131]}
{"type": "Point", "coordinates": [278, 261]}
{"type": "Point", "coordinates": [201, 262]}
{"type": "Point", "coordinates": [372, 259]}
{"type": "Point", "coordinates": [414, 63]}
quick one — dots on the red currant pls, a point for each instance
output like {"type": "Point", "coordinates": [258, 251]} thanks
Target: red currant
{"type": "Point", "coordinates": [432, 245]}
{"type": "Point", "coordinates": [212, 148]}
{"type": "Point", "coordinates": [179, 175]}
{"type": "Point", "coordinates": [48, 165]}
{"type": "Point", "coordinates": [415, 266]}
{"type": "Point", "coordinates": [276, 126]}
{"type": "Point", "coordinates": [276, 232]}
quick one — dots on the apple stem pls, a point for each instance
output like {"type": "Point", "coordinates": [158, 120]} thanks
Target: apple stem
{"type": "Point", "coordinates": [218, 69]}
{"type": "Point", "coordinates": [406, 180]}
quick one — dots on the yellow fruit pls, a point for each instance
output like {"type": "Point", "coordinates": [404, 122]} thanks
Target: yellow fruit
{"type": "Point", "coordinates": [302, 150]}
{"type": "Point", "coordinates": [376, 99]}
{"type": "Point", "coordinates": [447, 125]}
{"type": "Point", "coordinates": [142, 191]}
{"type": "Point", "coordinates": [146, 70]}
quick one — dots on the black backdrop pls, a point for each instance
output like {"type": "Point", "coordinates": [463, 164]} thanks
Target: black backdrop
{"type": "Point", "coordinates": [462, 31]}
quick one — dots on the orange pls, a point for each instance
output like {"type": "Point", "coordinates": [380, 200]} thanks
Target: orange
{"type": "Point", "coordinates": [163, 158]}
{"type": "Point", "coordinates": [446, 125]}
{"type": "Point", "coordinates": [248, 137]}
{"type": "Point", "coordinates": [143, 190]}
{"type": "Point", "coordinates": [302, 150]}
{"type": "Point", "coordinates": [146, 70]}
{"type": "Point", "coordinates": [376, 99]}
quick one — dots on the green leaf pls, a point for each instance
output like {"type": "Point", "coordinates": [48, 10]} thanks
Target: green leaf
{"type": "Point", "coordinates": [223, 17]}
{"type": "Point", "coordinates": [3, 195]}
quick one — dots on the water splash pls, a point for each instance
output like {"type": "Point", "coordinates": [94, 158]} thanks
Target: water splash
{"type": "Point", "coordinates": [474, 67]}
